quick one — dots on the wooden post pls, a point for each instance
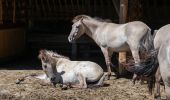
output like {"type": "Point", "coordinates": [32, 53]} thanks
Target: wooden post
{"type": "Point", "coordinates": [123, 14]}
{"type": "Point", "coordinates": [14, 12]}
{"type": "Point", "coordinates": [30, 14]}
{"type": "Point", "coordinates": [1, 12]}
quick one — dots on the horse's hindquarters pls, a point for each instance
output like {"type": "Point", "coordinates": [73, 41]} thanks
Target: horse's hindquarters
{"type": "Point", "coordinates": [90, 70]}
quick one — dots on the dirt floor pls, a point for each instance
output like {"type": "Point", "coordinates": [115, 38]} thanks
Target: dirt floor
{"type": "Point", "coordinates": [32, 89]}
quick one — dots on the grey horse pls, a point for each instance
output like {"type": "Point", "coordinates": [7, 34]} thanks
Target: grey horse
{"type": "Point", "coordinates": [112, 37]}
{"type": "Point", "coordinates": [60, 69]}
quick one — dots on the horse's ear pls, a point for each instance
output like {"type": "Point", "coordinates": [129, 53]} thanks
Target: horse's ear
{"type": "Point", "coordinates": [54, 55]}
{"type": "Point", "coordinates": [43, 51]}
{"type": "Point", "coordinates": [77, 18]}
{"type": "Point", "coordinates": [42, 55]}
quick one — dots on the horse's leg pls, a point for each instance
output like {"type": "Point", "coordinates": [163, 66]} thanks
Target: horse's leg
{"type": "Point", "coordinates": [135, 54]}
{"type": "Point", "coordinates": [157, 84]}
{"type": "Point", "coordinates": [100, 82]}
{"type": "Point", "coordinates": [107, 55]}
{"type": "Point", "coordinates": [82, 81]}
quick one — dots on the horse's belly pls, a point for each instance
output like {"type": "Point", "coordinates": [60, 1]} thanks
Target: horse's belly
{"type": "Point", "coordinates": [121, 48]}
{"type": "Point", "coordinates": [69, 77]}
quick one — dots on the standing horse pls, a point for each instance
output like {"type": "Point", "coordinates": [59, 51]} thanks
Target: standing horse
{"type": "Point", "coordinates": [111, 37]}
{"type": "Point", "coordinates": [60, 69]}
{"type": "Point", "coordinates": [162, 45]}
{"type": "Point", "coordinates": [160, 62]}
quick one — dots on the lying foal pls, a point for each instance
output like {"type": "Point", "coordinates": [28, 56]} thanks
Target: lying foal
{"type": "Point", "coordinates": [60, 69]}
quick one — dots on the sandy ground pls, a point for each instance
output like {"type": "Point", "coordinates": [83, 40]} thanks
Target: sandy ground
{"type": "Point", "coordinates": [32, 89]}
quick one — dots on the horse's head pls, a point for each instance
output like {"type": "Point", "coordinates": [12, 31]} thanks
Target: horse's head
{"type": "Point", "coordinates": [77, 30]}
{"type": "Point", "coordinates": [48, 65]}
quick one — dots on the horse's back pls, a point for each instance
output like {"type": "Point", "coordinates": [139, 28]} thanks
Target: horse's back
{"type": "Point", "coordinates": [136, 27]}
{"type": "Point", "coordinates": [162, 35]}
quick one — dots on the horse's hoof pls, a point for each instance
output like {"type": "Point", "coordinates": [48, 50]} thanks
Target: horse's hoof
{"type": "Point", "coordinates": [132, 83]}
{"type": "Point", "coordinates": [158, 98]}
{"type": "Point", "coordinates": [17, 81]}
{"type": "Point", "coordinates": [64, 87]}
{"type": "Point", "coordinates": [54, 84]}
{"type": "Point", "coordinates": [108, 77]}
{"type": "Point", "coordinates": [118, 76]}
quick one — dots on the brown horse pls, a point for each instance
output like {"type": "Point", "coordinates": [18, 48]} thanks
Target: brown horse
{"type": "Point", "coordinates": [111, 37]}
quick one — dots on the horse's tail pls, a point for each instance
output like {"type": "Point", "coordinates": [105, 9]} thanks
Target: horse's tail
{"type": "Point", "coordinates": [147, 41]}
{"type": "Point", "coordinates": [151, 83]}
{"type": "Point", "coordinates": [147, 68]}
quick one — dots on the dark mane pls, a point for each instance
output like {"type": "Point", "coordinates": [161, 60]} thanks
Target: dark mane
{"type": "Point", "coordinates": [102, 20]}
{"type": "Point", "coordinates": [79, 17]}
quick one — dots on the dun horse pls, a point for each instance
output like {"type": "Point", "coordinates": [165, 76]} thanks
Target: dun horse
{"type": "Point", "coordinates": [160, 62]}
{"type": "Point", "coordinates": [162, 45]}
{"type": "Point", "coordinates": [60, 69]}
{"type": "Point", "coordinates": [111, 37]}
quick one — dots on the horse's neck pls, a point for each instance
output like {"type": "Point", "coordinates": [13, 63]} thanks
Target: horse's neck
{"type": "Point", "coordinates": [61, 61]}
{"type": "Point", "coordinates": [91, 26]}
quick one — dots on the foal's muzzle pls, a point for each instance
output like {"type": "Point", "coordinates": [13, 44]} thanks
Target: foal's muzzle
{"type": "Point", "coordinates": [53, 81]}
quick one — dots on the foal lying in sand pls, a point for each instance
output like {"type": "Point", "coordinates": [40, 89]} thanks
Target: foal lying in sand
{"type": "Point", "coordinates": [62, 70]}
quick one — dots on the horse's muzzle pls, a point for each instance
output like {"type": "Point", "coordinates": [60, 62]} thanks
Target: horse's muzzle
{"type": "Point", "coordinates": [53, 81]}
{"type": "Point", "coordinates": [70, 39]}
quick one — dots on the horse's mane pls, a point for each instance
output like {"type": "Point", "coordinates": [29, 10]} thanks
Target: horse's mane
{"type": "Point", "coordinates": [102, 20]}
{"type": "Point", "coordinates": [56, 55]}
{"type": "Point", "coordinates": [79, 17]}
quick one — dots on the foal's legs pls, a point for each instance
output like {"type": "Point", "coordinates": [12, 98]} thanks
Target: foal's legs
{"type": "Point", "coordinates": [157, 84]}
{"type": "Point", "coordinates": [82, 81]}
{"type": "Point", "coordinates": [107, 55]}
{"type": "Point", "coordinates": [100, 82]}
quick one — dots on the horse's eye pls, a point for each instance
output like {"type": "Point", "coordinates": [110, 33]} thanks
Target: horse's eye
{"type": "Point", "coordinates": [77, 26]}
{"type": "Point", "coordinates": [77, 29]}
{"type": "Point", "coordinates": [45, 66]}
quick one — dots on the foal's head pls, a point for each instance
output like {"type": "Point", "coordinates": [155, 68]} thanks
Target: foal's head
{"type": "Point", "coordinates": [78, 28]}
{"type": "Point", "coordinates": [48, 64]}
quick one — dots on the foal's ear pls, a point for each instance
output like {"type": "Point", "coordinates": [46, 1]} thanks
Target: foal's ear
{"type": "Point", "coordinates": [42, 51]}
{"type": "Point", "coordinates": [43, 56]}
